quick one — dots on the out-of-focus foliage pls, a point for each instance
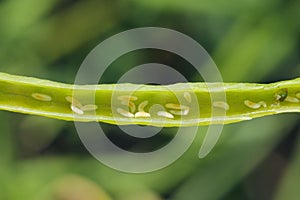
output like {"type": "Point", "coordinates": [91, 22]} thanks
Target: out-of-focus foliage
{"type": "Point", "coordinates": [256, 41]}
{"type": "Point", "coordinates": [288, 187]}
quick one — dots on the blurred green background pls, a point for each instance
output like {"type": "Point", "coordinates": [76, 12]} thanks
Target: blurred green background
{"type": "Point", "coordinates": [250, 41]}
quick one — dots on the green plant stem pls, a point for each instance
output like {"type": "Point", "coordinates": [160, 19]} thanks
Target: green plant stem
{"type": "Point", "coordinates": [244, 101]}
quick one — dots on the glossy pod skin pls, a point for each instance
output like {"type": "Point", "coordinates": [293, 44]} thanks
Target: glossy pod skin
{"type": "Point", "coordinates": [181, 104]}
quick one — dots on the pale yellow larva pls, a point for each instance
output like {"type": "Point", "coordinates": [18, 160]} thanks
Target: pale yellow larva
{"type": "Point", "coordinates": [125, 113]}
{"type": "Point", "coordinates": [41, 97]}
{"type": "Point", "coordinates": [251, 104]}
{"type": "Point", "coordinates": [165, 114]}
{"type": "Point", "coordinates": [221, 104]}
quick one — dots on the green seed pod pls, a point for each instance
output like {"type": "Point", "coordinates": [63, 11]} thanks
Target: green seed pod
{"type": "Point", "coordinates": [133, 106]}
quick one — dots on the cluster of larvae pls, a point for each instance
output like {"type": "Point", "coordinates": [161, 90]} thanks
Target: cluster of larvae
{"type": "Point", "coordinates": [174, 109]}
{"type": "Point", "coordinates": [280, 96]}
{"type": "Point", "coordinates": [75, 105]}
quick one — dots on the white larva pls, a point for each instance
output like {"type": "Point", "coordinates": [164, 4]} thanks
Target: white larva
{"type": "Point", "coordinates": [73, 101]}
{"type": "Point", "coordinates": [130, 104]}
{"type": "Point", "coordinates": [142, 114]}
{"type": "Point", "coordinates": [298, 95]}
{"type": "Point", "coordinates": [176, 106]}
{"type": "Point", "coordinates": [263, 103]}
{"type": "Point", "coordinates": [252, 105]}
{"type": "Point", "coordinates": [276, 104]}
{"type": "Point", "coordinates": [76, 110]}
{"type": "Point", "coordinates": [221, 104]}
{"type": "Point", "coordinates": [127, 98]}
{"type": "Point", "coordinates": [41, 97]}
{"type": "Point", "coordinates": [142, 106]}
{"type": "Point", "coordinates": [165, 114]}
{"type": "Point", "coordinates": [291, 99]}
{"type": "Point", "coordinates": [125, 113]}
{"type": "Point", "coordinates": [180, 112]}
{"type": "Point", "coordinates": [187, 97]}
{"type": "Point", "coordinates": [89, 107]}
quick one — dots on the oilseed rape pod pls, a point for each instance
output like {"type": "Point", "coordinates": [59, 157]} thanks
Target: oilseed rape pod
{"type": "Point", "coordinates": [244, 101]}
